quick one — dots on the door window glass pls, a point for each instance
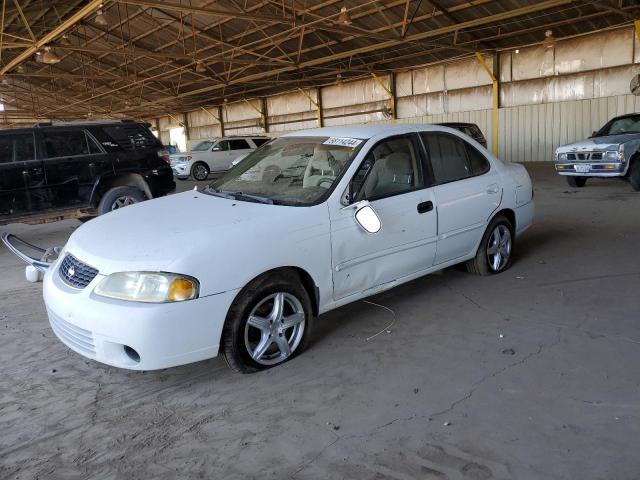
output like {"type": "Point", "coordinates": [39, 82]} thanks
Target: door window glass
{"type": "Point", "coordinates": [239, 144]}
{"type": "Point", "coordinates": [479, 164]}
{"type": "Point", "coordinates": [18, 148]}
{"type": "Point", "coordinates": [391, 167]}
{"type": "Point", "coordinates": [93, 146]}
{"type": "Point", "coordinates": [6, 149]}
{"type": "Point", "coordinates": [448, 157]}
{"type": "Point", "coordinates": [65, 144]}
{"type": "Point", "coordinates": [222, 145]}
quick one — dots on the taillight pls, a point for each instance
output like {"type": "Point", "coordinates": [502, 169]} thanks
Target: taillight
{"type": "Point", "coordinates": [164, 155]}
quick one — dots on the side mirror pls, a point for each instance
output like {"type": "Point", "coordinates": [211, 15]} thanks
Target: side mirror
{"type": "Point", "coordinates": [367, 218]}
{"type": "Point", "coordinates": [593, 134]}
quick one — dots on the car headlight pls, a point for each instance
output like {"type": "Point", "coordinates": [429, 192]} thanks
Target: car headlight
{"type": "Point", "coordinates": [612, 156]}
{"type": "Point", "coordinates": [148, 287]}
{"type": "Point", "coordinates": [562, 156]}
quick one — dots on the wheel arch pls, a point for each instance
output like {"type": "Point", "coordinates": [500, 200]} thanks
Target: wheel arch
{"type": "Point", "coordinates": [126, 180]}
{"type": "Point", "coordinates": [306, 279]}
{"type": "Point", "coordinates": [509, 214]}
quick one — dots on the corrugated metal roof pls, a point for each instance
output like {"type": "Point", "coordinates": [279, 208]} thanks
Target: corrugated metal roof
{"type": "Point", "coordinates": [151, 56]}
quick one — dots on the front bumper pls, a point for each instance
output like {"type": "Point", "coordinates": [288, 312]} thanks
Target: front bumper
{"type": "Point", "coordinates": [583, 169]}
{"type": "Point", "coordinates": [157, 335]}
{"type": "Point", "coordinates": [181, 170]}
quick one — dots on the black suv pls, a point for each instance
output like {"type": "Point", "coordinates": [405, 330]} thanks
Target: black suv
{"type": "Point", "coordinates": [77, 170]}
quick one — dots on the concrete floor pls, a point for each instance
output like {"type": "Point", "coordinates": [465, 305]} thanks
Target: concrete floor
{"type": "Point", "coordinates": [530, 374]}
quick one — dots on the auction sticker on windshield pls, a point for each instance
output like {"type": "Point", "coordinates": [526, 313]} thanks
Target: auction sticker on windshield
{"type": "Point", "coordinates": [343, 141]}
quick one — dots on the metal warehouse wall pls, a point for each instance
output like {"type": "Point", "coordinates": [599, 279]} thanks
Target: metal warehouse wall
{"type": "Point", "coordinates": [548, 97]}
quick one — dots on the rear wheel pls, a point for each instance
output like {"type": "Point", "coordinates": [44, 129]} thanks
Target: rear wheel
{"type": "Point", "coordinates": [577, 182]}
{"type": "Point", "coordinates": [634, 175]}
{"type": "Point", "coordinates": [120, 197]}
{"type": "Point", "coordinates": [200, 171]}
{"type": "Point", "coordinates": [268, 324]}
{"type": "Point", "coordinates": [495, 252]}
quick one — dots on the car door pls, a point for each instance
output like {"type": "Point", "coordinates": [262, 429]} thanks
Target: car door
{"type": "Point", "coordinates": [391, 178]}
{"type": "Point", "coordinates": [74, 161]}
{"type": "Point", "coordinates": [219, 158]}
{"type": "Point", "coordinates": [467, 192]}
{"type": "Point", "coordinates": [23, 186]}
{"type": "Point", "coordinates": [238, 147]}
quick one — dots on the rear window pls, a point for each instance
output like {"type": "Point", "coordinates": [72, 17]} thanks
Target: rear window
{"type": "Point", "coordinates": [131, 137]}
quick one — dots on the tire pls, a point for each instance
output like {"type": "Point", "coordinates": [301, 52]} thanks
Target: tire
{"type": "Point", "coordinates": [120, 197]}
{"type": "Point", "coordinates": [484, 262]}
{"type": "Point", "coordinates": [200, 171]}
{"type": "Point", "coordinates": [251, 347]}
{"type": "Point", "coordinates": [634, 175]}
{"type": "Point", "coordinates": [577, 182]}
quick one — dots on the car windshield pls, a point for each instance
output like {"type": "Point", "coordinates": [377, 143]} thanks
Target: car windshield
{"type": "Point", "coordinates": [620, 126]}
{"type": "Point", "coordinates": [203, 146]}
{"type": "Point", "coordinates": [288, 171]}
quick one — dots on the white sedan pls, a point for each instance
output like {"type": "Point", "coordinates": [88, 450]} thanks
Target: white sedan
{"type": "Point", "coordinates": [310, 222]}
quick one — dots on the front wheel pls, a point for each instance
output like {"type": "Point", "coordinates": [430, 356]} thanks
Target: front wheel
{"type": "Point", "coordinates": [200, 171]}
{"type": "Point", "coordinates": [269, 323]}
{"type": "Point", "coordinates": [496, 249]}
{"type": "Point", "coordinates": [577, 182]}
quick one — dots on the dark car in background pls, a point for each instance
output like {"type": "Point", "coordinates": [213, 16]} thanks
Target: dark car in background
{"type": "Point", "coordinates": [79, 169]}
{"type": "Point", "coordinates": [470, 129]}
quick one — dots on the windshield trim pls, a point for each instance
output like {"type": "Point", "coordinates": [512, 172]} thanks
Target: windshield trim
{"type": "Point", "coordinates": [325, 196]}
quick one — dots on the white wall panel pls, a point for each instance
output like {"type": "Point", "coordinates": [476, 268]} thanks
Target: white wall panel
{"type": "Point", "coordinates": [532, 62]}
{"type": "Point", "coordinates": [601, 50]}
{"type": "Point", "coordinates": [467, 73]}
{"type": "Point", "coordinates": [354, 93]}
{"type": "Point", "coordinates": [428, 79]}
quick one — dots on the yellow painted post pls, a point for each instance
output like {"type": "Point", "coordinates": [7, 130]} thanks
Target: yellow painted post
{"type": "Point", "coordinates": [495, 138]}
{"type": "Point", "coordinates": [318, 105]}
{"type": "Point", "coordinates": [637, 24]}
{"type": "Point", "coordinates": [390, 92]}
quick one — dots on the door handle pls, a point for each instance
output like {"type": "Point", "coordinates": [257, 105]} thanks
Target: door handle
{"type": "Point", "coordinates": [493, 189]}
{"type": "Point", "coordinates": [425, 207]}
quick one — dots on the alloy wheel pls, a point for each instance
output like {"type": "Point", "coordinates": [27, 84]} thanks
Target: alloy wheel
{"type": "Point", "coordinates": [274, 328]}
{"type": "Point", "coordinates": [200, 172]}
{"type": "Point", "coordinates": [499, 248]}
{"type": "Point", "coordinates": [123, 201]}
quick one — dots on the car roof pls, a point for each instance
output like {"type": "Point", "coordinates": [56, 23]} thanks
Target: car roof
{"type": "Point", "coordinates": [457, 124]}
{"type": "Point", "coordinates": [365, 131]}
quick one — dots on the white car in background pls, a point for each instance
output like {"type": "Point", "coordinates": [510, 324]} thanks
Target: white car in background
{"type": "Point", "coordinates": [215, 155]}
{"type": "Point", "coordinates": [312, 221]}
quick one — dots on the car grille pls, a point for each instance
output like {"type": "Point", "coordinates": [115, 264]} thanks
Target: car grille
{"type": "Point", "coordinates": [75, 273]}
{"type": "Point", "coordinates": [72, 336]}
{"type": "Point", "coordinates": [585, 156]}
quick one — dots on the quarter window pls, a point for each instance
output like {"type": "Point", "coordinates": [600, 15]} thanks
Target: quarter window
{"type": "Point", "coordinates": [260, 141]}
{"type": "Point", "coordinates": [391, 167]}
{"type": "Point", "coordinates": [479, 163]}
{"type": "Point", "coordinates": [17, 148]}
{"type": "Point", "coordinates": [66, 144]}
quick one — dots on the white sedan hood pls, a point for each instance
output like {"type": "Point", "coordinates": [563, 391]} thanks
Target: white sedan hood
{"type": "Point", "coordinates": [191, 233]}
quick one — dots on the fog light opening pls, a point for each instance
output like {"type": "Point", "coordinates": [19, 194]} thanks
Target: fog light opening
{"type": "Point", "coordinates": [132, 354]}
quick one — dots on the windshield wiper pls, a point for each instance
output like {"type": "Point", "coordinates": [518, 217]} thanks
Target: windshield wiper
{"type": "Point", "coordinates": [246, 197]}
{"type": "Point", "coordinates": [252, 198]}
